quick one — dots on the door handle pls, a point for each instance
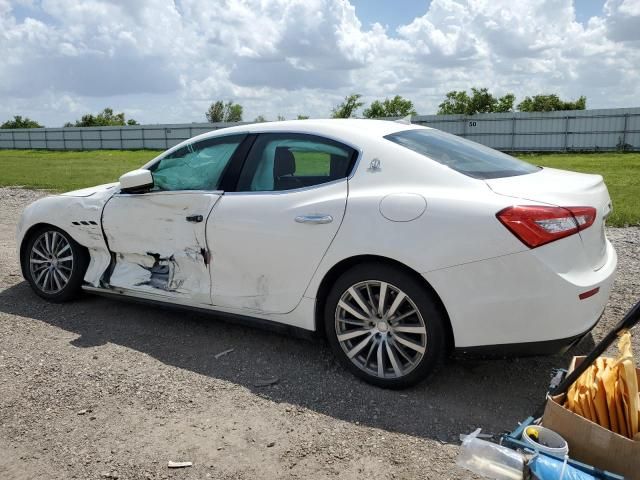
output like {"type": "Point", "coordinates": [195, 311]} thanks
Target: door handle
{"type": "Point", "coordinates": [317, 219]}
{"type": "Point", "coordinates": [195, 218]}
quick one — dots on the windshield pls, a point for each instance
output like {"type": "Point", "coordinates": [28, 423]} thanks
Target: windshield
{"type": "Point", "coordinates": [464, 156]}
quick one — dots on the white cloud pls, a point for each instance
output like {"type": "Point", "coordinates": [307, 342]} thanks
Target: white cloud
{"type": "Point", "coordinates": [623, 20]}
{"type": "Point", "coordinates": [165, 60]}
{"type": "Point", "coordinates": [630, 7]}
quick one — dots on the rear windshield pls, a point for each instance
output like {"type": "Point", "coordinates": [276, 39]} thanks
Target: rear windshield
{"type": "Point", "coordinates": [464, 156]}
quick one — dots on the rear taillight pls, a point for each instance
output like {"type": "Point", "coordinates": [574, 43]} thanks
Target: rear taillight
{"type": "Point", "coordinates": [537, 225]}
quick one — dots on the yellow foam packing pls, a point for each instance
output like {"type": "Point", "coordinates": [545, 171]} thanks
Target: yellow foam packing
{"type": "Point", "coordinates": [607, 392]}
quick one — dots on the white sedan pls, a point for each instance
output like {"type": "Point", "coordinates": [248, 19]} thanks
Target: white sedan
{"type": "Point", "coordinates": [397, 242]}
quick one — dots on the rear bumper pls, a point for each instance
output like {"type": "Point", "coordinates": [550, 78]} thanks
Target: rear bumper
{"type": "Point", "coordinates": [527, 349]}
{"type": "Point", "coordinates": [519, 302]}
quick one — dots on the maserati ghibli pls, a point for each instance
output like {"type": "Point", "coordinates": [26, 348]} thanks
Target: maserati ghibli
{"type": "Point", "coordinates": [398, 243]}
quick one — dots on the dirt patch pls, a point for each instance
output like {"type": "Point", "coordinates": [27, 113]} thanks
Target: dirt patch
{"type": "Point", "coordinates": [102, 388]}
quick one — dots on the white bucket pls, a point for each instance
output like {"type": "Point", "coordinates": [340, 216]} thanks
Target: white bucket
{"type": "Point", "coordinates": [547, 440]}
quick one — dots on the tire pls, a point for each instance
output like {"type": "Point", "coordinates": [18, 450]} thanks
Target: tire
{"type": "Point", "coordinates": [410, 345]}
{"type": "Point", "coordinates": [54, 264]}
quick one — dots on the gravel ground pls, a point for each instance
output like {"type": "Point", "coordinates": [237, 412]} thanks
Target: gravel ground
{"type": "Point", "coordinates": [101, 388]}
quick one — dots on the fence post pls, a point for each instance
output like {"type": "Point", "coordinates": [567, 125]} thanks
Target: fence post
{"type": "Point", "coordinates": [142, 136]}
{"type": "Point", "coordinates": [624, 130]}
{"type": "Point", "coordinates": [81, 139]}
{"type": "Point", "coordinates": [513, 134]}
{"type": "Point", "coordinates": [121, 144]}
{"type": "Point", "coordinates": [100, 137]}
{"type": "Point", "coordinates": [13, 139]}
{"type": "Point", "coordinates": [46, 145]}
{"type": "Point", "coordinates": [64, 139]}
{"type": "Point", "coordinates": [566, 133]}
{"type": "Point", "coordinates": [29, 138]}
{"type": "Point", "coordinates": [166, 139]}
{"type": "Point", "coordinates": [464, 127]}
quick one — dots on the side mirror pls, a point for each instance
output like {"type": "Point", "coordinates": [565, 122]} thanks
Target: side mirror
{"type": "Point", "coordinates": [136, 181]}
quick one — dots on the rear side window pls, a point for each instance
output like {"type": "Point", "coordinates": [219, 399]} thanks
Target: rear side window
{"type": "Point", "coordinates": [287, 161]}
{"type": "Point", "coordinates": [464, 156]}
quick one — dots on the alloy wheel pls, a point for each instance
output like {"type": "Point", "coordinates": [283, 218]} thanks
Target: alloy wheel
{"type": "Point", "coordinates": [380, 329]}
{"type": "Point", "coordinates": [51, 262]}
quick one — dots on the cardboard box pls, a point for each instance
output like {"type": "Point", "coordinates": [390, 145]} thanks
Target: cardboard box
{"type": "Point", "coordinates": [589, 442]}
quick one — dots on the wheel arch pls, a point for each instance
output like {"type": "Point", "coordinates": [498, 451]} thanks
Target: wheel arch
{"type": "Point", "coordinates": [30, 232]}
{"type": "Point", "coordinates": [339, 268]}
{"type": "Point", "coordinates": [25, 240]}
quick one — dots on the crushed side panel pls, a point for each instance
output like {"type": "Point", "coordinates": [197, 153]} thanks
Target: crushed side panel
{"type": "Point", "coordinates": [80, 217]}
{"type": "Point", "coordinates": [157, 250]}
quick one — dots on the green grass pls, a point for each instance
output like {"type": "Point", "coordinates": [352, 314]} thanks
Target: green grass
{"type": "Point", "coordinates": [312, 163]}
{"type": "Point", "coordinates": [63, 171]}
{"type": "Point", "coordinates": [621, 172]}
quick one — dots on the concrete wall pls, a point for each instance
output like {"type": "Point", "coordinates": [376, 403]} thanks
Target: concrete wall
{"type": "Point", "coordinates": [578, 130]}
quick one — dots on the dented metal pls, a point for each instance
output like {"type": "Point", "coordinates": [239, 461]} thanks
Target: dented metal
{"type": "Point", "coordinates": [135, 242]}
{"type": "Point", "coordinates": [158, 250]}
{"type": "Point", "coordinates": [79, 214]}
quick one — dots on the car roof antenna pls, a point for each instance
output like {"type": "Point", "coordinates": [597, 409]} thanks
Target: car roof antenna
{"type": "Point", "coordinates": [405, 120]}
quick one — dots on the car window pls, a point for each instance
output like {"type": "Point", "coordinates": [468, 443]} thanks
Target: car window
{"type": "Point", "coordinates": [288, 161]}
{"type": "Point", "coordinates": [464, 156]}
{"type": "Point", "coordinates": [197, 166]}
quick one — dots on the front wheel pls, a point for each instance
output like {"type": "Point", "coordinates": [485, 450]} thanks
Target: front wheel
{"type": "Point", "coordinates": [54, 264]}
{"type": "Point", "coordinates": [385, 326]}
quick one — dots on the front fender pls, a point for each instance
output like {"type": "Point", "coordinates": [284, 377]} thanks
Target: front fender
{"type": "Point", "coordinates": [80, 217]}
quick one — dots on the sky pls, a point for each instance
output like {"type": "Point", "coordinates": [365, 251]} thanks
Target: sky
{"type": "Point", "coordinates": [393, 13]}
{"type": "Point", "coordinates": [165, 61]}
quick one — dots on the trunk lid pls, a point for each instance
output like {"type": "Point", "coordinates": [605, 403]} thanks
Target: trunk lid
{"type": "Point", "coordinates": [564, 189]}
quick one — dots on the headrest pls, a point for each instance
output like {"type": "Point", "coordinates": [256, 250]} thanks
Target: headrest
{"type": "Point", "coordinates": [284, 162]}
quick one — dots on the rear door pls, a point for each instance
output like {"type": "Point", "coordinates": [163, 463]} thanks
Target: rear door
{"type": "Point", "coordinates": [268, 237]}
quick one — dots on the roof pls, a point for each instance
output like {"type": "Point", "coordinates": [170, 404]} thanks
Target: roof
{"type": "Point", "coordinates": [335, 126]}
{"type": "Point", "coordinates": [374, 127]}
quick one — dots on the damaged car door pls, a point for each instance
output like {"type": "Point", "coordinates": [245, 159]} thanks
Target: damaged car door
{"type": "Point", "coordinates": [157, 237]}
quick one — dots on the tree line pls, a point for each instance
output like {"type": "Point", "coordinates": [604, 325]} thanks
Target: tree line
{"type": "Point", "coordinates": [106, 118]}
{"type": "Point", "coordinates": [482, 101]}
{"type": "Point", "coordinates": [478, 100]}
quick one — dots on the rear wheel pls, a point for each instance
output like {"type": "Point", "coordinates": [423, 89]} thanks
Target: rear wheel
{"type": "Point", "coordinates": [384, 326]}
{"type": "Point", "coordinates": [54, 264]}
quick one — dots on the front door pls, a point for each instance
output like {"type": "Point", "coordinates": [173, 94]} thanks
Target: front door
{"type": "Point", "coordinates": [158, 238]}
{"type": "Point", "coordinates": [159, 243]}
{"type": "Point", "coordinates": [269, 236]}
